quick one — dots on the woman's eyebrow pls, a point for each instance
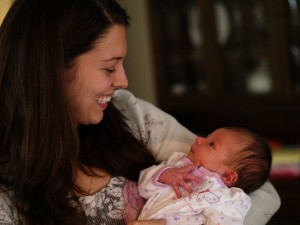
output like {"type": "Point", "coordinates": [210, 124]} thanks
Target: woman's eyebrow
{"type": "Point", "coordinates": [114, 58]}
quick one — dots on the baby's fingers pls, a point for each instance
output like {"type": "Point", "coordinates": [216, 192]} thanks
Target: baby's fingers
{"type": "Point", "coordinates": [147, 222]}
{"type": "Point", "coordinates": [189, 168]}
{"type": "Point", "coordinates": [177, 191]}
{"type": "Point", "coordinates": [190, 177]}
{"type": "Point", "coordinates": [185, 186]}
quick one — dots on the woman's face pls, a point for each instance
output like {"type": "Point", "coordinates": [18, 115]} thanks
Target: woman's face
{"type": "Point", "coordinates": [98, 73]}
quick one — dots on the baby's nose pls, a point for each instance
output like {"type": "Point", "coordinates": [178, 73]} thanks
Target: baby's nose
{"type": "Point", "coordinates": [199, 140]}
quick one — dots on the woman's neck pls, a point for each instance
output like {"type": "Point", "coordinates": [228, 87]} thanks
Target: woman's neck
{"type": "Point", "coordinates": [90, 181]}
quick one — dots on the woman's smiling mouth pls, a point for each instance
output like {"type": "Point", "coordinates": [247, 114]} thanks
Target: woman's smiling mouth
{"type": "Point", "coordinates": [103, 99]}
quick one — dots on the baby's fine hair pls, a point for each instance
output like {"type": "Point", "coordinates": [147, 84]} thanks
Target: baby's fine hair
{"type": "Point", "coordinates": [253, 161]}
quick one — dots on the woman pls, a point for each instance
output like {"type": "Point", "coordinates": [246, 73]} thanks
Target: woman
{"type": "Point", "coordinates": [69, 155]}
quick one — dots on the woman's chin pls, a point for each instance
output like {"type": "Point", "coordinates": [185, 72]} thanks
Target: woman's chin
{"type": "Point", "coordinates": [98, 120]}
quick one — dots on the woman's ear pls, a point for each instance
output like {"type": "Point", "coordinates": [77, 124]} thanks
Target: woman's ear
{"type": "Point", "coordinates": [229, 177]}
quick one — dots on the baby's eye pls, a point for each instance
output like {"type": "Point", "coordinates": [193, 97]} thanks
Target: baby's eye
{"type": "Point", "coordinates": [212, 144]}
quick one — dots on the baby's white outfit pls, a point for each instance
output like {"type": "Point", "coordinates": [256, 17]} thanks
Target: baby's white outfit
{"type": "Point", "coordinates": [211, 203]}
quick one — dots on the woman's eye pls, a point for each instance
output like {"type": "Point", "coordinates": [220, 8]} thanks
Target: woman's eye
{"type": "Point", "coordinates": [212, 144]}
{"type": "Point", "coordinates": [110, 70]}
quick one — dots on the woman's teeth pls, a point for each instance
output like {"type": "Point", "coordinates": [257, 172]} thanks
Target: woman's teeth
{"type": "Point", "coordinates": [103, 100]}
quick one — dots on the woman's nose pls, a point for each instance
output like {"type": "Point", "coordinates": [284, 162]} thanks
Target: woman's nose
{"type": "Point", "coordinates": [120, 80]}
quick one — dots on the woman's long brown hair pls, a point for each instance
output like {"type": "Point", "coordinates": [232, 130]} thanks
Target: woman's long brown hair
{"type": "Point", "coordinates": [39, 146]}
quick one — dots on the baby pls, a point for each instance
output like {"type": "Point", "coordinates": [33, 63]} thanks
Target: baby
{"type": "Point", "coordinates": [209, 184]}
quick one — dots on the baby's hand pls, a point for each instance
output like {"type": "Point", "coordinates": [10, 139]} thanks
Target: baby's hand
{"type": "Point", "coordinates": [147, 222]}
{"type": "Point", "coordinates": [176, 177]}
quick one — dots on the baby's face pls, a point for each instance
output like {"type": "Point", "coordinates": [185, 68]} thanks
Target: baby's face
{"type": "Point", "coordinates": [211, 152]}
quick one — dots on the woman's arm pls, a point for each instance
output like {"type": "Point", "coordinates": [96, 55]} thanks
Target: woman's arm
{"type": "Point", "coordinates": [157, 129]}
{"type": "Point", "coordinates": [264, 203]}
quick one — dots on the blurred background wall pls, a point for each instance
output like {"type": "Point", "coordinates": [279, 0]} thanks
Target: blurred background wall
{"type": "Point", "coordinates": [4, 6]}
{"type": "Point", "coordinates": [138, 62]}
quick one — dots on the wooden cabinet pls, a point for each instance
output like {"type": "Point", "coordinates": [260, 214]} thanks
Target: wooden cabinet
{"type": "Point", "coordinates": [229, 62]}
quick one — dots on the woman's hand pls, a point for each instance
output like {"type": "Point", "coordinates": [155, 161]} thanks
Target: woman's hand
{"type": "Point", "coordinates": [147, 222]}
{"type": "Point", "coordinates": [176, 177]}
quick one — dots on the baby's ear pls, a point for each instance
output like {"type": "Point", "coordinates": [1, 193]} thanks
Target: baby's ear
{"type": "Point", "coordinates": [229, 177]}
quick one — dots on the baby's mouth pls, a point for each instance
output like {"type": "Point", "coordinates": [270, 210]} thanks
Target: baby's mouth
{"type": "Point", "coordinates": [192, 150]}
